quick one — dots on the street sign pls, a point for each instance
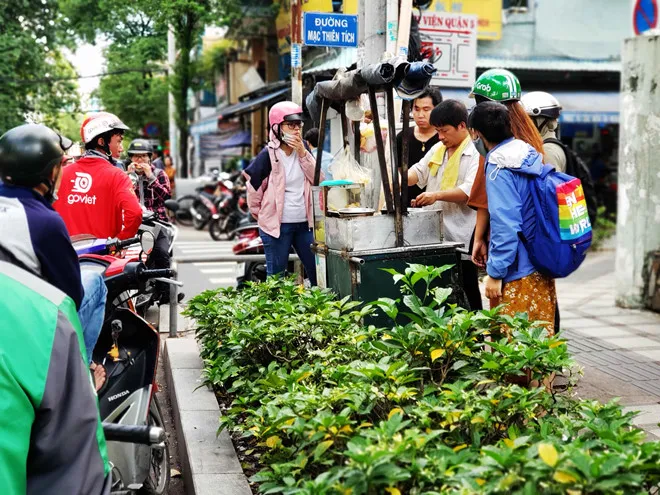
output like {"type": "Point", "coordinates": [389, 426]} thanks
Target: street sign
{"type": "Point", "coordinates": [322, 29]}
{"type": "Point", "coordinates": [645, 15]}
{"type": "Point", "coordinates": [488, 11]}
{"type": "Point", "coordinates": [453, 40]}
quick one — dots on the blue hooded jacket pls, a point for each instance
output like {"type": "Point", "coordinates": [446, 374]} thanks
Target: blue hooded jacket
{"type": "Point", "coordinates": [35, 235]}
{"type": "Point", "coordinates": [508, 167]}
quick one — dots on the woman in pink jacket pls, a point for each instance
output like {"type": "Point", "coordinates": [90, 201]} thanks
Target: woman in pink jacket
{"type": "Point", "coordinates": [279, 191]}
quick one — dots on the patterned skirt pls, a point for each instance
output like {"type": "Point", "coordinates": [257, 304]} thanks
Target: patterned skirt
{"type": "Point", "coordinates": [534, 295]}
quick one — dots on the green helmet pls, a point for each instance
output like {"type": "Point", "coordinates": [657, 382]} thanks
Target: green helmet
{"type": "Point", "coordinates": [497, 85]}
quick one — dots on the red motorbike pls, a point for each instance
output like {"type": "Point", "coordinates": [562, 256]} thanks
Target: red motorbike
{"type": "Point", "coordinates": [128, 347]}
{"type": "Point", "coordinates": [249, 242]}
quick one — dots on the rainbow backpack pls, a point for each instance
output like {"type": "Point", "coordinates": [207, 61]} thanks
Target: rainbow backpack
{"type": "Point", "coordinates": [561, 236]}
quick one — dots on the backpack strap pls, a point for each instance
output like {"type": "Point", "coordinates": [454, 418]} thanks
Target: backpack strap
{"type": "Point", "coordinates": [570, 161]}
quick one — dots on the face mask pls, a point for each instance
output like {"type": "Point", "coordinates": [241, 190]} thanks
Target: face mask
{"type": "Point", "coordinates": [481, 147]}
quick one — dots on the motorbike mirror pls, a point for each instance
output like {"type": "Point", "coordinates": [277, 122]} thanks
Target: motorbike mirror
{"type": "Point", "coordinates": [172, 205]}
{"type": "Point", "coordinates": [147, 241]}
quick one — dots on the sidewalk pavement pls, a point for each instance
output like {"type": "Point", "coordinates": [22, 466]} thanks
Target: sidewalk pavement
{"type": "Point", "coordinates": [619, 349]}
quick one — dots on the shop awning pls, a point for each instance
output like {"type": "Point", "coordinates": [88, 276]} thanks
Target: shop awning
{"type": "Point", "coordinates": [549, 64]}
{"type": "Point", "coordinates": [579, 107]}
{"type": "Point", "coordinates": [241, 138]}
{"type": "Point", "coordinates": [589, 107]}
{"type": "Point", "coordinates": [252, 103]}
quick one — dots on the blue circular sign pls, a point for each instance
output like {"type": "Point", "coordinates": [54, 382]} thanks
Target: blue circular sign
{"type": "Point", "coordinates": [645, 16]}
{"type": "Point", "coordinates": [151, 130]}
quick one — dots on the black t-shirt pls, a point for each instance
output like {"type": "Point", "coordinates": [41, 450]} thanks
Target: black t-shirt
{"type": "Point", "coordinates": [416, 151]}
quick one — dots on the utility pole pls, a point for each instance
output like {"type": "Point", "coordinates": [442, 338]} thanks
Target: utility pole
{"type": "Point", "coordinates": [171, 60]}
{"type": "Point", "coordinates": [296, 52]}
{"type": "Point", "coordinates": [638, 217]}
{"type": "Point", "coordinates": [375, 20]}
{"type": "Point", "coordinates": [403, 38]}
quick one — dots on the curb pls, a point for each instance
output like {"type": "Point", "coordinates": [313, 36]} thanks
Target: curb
{"type": "Point", "coordinates": [210, 464]}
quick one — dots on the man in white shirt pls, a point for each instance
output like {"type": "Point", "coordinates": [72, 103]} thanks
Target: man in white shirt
{"type": "Point", "coordinates": [447, 172]}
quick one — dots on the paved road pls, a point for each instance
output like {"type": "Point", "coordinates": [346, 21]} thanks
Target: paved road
{"type": "Point", "coordinates": [198, 277]}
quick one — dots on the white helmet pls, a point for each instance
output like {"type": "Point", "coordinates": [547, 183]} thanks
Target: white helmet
{"type": "Point", "coordinates": [541, 104]}
{"type": "Point", "coordinates": [99, 123]}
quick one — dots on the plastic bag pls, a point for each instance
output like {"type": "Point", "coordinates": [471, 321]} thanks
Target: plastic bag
{"type": "Point", "coordinates": [344, 167]}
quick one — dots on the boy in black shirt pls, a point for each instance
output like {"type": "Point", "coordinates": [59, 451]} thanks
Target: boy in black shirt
{"type": "Point", "coordinates": [423, 136]}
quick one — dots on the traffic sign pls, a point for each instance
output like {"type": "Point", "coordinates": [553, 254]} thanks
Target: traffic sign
{"type": "Point", "coordinates": [321, 29]}
{"type": "Point", "coordinates": [453, 40]}
{"type": "Point", "coordinates": [645, 15]}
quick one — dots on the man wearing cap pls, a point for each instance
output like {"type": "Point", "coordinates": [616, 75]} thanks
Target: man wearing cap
{"type": "Point", "coordinates": [152, 187]}
{"type": "Point", "coordinates": [96, 197]}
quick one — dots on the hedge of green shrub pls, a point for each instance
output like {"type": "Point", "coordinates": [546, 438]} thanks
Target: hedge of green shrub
{"type": "Point", "coordinates": [329, 406]}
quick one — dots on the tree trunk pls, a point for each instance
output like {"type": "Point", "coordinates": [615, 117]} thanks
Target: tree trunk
{"type": "Point", "coordinates": [185, 39]}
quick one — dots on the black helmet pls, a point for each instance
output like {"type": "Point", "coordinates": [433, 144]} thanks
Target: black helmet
{"type": "Point", "coordinates": [28, 154]}
{"type": "Point", "coordinates": [140, 147]}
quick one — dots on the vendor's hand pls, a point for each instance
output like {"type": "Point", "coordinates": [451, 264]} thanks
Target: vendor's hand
{"type": "Point", "coordinates": [493, 287]}
{"type": "Point", "coordinates": [480, 253]}
{"type": "Point", "coordinates": [425, 199]}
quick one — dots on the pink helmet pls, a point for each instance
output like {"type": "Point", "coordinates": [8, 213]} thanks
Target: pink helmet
{"type": "Point", "coordinates": [284, 111]}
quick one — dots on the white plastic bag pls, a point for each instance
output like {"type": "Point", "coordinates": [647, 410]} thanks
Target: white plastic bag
{"type": "Point", "coordinates": [344, 167]}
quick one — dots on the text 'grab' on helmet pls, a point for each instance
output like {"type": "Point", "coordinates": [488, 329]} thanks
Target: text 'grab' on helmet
{"type": "Point", "coordinates": [284, 111]}
{"type": "Point", "coordinates": [541, 104]}
{"type": "Point", "coordinates": [28, 154]}
{"type": "Point", "coordinates": [140, 147]}
{"type": "Point", "coordinates": [497, 85]}
{"type": "Point", "coordinates": [100, 123]}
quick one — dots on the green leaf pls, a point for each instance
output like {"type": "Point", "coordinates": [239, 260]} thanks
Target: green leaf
{"type": "Point", "coordinates": [321, 448]}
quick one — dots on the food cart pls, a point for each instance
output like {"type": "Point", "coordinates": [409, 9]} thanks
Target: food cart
{"type": "Point", "coordinates": [354, 244]}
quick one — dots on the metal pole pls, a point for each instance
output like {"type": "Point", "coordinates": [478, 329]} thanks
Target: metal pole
{"type": "Point", "coordinates": [296, 53]}
{"type": "Point", "coordinates": [404, 156]}
{"type": "Point", "coordinates": [174, 302]}
{"type": "Point", "coordinates": [171, 60]}
{"type": "Point", "coordinates": [227, 258]}
{"type": "Point", "coordinates": [398, 218]}
{"type": "Point", "coordinates": [344, 124]}
{"type": "Point", "coordinates": [319, 152]}
{"type": "Point", "coordinates": [380, 147]}
{"type": "Point", "coordinates": [356, 142]}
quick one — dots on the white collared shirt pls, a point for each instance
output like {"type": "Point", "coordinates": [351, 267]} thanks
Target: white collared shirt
{"type": "Point", "coordinates": [458, 219]}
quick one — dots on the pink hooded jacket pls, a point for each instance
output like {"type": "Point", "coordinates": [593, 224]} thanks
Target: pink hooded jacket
{"type": "Point", "coordinates": [266, 183]}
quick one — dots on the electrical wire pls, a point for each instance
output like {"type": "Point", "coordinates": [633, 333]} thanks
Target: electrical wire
{"type": "Point", "coordinates": [75, 78]}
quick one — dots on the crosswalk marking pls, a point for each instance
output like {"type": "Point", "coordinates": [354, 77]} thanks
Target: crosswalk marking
{"type": "Point", "coordinates": [218, 273]}
{"type": "Point", "coordinates": [226, 269]}
{"type": "Point", "coordinates": [224, 281]}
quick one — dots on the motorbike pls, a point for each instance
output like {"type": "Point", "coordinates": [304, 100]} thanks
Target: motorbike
{"type": "Point", "coordinates": [231, 211]}
{"type": "Point", "coordinates": [128, 347]}
{"type": "Point", "coordinates": [249, 242]}
{"type": "Point", "coordinates": [208, 199]}
{"type": "Point", "coordinates": [184, 214]}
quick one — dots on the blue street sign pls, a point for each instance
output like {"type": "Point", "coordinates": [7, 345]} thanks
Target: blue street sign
{"type": "Point", "coordinates": [645, 15]}
{"type": "Point", "coordinates": [330, 29]}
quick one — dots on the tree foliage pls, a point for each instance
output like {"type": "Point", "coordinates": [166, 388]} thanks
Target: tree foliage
{"type": "Point", "coordinates": [138, 98]}
{"type": "Point", "coordinates": [36, 81]}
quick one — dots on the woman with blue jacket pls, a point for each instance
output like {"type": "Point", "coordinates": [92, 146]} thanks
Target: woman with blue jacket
{"type": "Point", "coordinates": [509, 162]}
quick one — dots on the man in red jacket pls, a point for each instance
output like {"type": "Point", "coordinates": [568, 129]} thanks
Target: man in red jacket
{"type": "Point", "coordinates": [96, 197]}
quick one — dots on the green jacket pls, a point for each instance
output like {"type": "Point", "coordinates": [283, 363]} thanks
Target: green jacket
{"type": "Point", "coordinates": [51, 438]}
